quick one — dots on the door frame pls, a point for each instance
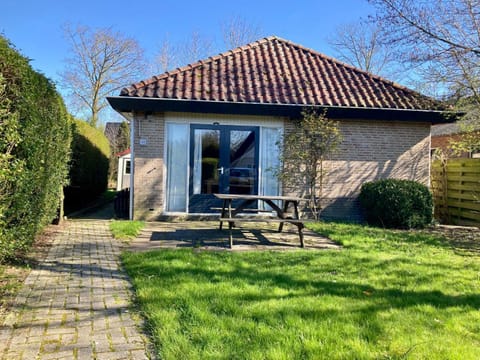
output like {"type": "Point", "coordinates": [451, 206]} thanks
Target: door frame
{"type": "Point", "coordinates": [224, 152]}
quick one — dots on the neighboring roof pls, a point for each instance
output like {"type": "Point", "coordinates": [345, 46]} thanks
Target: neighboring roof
{"type": "Point", "coordinates": [455, 128]}
{"type": "Point", "coordinates": [273, 71]}
{"type": "Point", "coordinates": [123, 153]}
{"type": "Point", "coordinates": [445, 129]}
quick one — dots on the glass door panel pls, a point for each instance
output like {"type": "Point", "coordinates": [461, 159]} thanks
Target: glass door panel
{"type": "Point", "coordinates": [242, 174]}
{"type": "Point", "coordinates": [224, 159]}
{"type": "Point", "coordinates": [206, 162]}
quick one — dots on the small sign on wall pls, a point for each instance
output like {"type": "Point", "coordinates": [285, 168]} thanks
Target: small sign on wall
{"type": "Point", "coordinates": [143, 141]}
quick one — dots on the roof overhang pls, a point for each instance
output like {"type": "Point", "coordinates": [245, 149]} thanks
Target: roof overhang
{"type": "Point", "coordinates": [125, 104]}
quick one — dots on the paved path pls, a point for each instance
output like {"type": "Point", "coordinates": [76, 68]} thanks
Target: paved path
{"type": "Point", "coordinates": [75, 304]}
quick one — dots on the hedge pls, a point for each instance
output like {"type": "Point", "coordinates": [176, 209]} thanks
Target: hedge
{"type": "Point", "coordinates": [89, 166]}
{"type": "Point", "coordinates": [397, 203]}
{"type": "Point", "coordinates": [35, 132]}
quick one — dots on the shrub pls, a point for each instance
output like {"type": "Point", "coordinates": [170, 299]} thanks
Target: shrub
{"type": "Point", "coordinates": [397, 203]}
{"type": "Point", "coordinates": [89, 166]}
{"type": "Point", "coordinates": [35, 146]}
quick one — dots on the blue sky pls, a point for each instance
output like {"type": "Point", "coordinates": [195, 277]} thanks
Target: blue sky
{"type": "Point", "coordinates": [35, 27]}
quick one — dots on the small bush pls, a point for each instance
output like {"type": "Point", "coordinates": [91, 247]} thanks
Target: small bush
{"type": "Point", "coordinates": [396, 203]}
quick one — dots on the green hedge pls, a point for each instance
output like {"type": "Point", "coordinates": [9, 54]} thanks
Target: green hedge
{"type": "Point", "coordinates": [35, 132]}
{"type": "Point", "coordinates": [89, 166]}
{"type": "Point", "coordinates": [397, 203]}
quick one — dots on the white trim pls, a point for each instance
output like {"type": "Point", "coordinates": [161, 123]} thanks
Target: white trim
{"type": "Point", "coordinates": [165, 169]}
{"type": "Point", "coordinates": [121, 170]}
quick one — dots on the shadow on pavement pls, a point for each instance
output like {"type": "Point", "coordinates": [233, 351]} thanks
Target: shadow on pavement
{"type": "Point", "coordinates": [100, 211]}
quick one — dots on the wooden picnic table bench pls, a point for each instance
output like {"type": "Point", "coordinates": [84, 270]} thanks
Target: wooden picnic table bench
{"type": "Point", "coordinates": [230, 214]}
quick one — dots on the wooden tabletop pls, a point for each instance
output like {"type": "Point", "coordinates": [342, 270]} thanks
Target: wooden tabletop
{"type": "Point", "coordinates": [257, 197]}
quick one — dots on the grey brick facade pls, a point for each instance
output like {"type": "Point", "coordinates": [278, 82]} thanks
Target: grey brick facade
{"type": "Point", "coordinates": [370, 150]}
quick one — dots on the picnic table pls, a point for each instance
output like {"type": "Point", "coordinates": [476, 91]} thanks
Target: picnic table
{"type": "Point", "coordinates": [280, 206]}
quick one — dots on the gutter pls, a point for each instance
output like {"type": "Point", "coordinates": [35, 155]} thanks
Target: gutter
{"type": "Point", "coordinates": [142, 104]}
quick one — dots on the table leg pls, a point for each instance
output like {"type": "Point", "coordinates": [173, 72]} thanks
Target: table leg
{"type": "Point", "coordinates": [284, 211]}
{"type": "Point", "coordinates": [224, 207]}
{"type": "Point", "coordinates": [300, 234]}
{"type": "Point", "coordinates": [230, 235]}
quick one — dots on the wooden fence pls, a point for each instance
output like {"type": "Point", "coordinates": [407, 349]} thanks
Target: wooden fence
{"type": "Point", "coordinates": [456, 191]}
{"type": "Point", "coordinates": [121, 204]}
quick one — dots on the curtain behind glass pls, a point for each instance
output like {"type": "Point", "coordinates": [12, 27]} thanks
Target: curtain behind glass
{"type": "Point", "coordinates": [177, 166]}
{"type": "Point", "coordinates": [270, 161]}
{"type": "Point", "coordinates": [197, 162]}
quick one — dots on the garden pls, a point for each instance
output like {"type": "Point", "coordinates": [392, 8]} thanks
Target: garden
{"type": "Point", "coordinates": [392, 294]}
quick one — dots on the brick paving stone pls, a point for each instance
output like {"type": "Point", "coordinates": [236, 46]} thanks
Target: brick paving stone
{"type": "Point", "coordinates": [74, 305]}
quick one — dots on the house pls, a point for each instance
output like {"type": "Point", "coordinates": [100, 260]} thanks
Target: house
{"type": "Point", "coordinates": [123, 172]}
{"type": "Point", "coordinates": [443, 135]}
{"type": "Point", "coordinates": [213, 126]}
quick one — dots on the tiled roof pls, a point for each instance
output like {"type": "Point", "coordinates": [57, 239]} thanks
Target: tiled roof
{"type": "Point", "coordinates": [122, 153]}
{"type": "Point", "coordinates": [277, 71]}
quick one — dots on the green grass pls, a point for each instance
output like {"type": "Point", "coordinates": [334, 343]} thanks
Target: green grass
{"type": "Point", "coordinates": [126, 229]}
{"type": "Point", "coordinates": [385, 295]}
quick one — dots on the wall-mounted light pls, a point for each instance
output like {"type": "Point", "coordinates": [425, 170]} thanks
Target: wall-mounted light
{"type": "Point", "coordinates": [216, 123]}
{"type": "Point", "coordinates": [146, 114]}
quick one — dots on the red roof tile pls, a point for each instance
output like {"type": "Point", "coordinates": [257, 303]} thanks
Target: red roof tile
{"type": "Point", "coordinates": [277, 71]}
{"type": "Point", "coordinates": [122, 153]}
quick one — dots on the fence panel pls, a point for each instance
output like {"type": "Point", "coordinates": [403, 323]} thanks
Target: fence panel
{"type": "Point", "coordinates": [121, 204]}
{"type": "Point", "coordinates": [456, 191]}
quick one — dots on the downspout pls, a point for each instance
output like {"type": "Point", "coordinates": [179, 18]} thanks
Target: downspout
{"type": "Point", "coordinates": [132, 166]}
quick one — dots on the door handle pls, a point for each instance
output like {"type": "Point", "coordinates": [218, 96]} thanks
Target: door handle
{"type": "Point", "coordinates": [221, 170]}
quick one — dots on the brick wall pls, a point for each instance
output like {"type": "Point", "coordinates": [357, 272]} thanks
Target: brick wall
{"type": "Point", "coordinates": [371, 151]}
{"type": "Point", "coordinates": [149, 166]}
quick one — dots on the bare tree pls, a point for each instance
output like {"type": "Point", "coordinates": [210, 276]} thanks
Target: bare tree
{"type": "Point", "coordinates": [196, 47]}
{"type": "Point", "coordinates": [359, 44]}
{"type": "Point", "coordinates": [101, 62]}
{"type": "Point", "coordinates": [237, 31]}
{"type": "Point", "coordinates": [440, 37]}
{"type": "Point", "coordinates": [165, 58]}
{"type": "Point", "coordinates": [172, 55]}
{"type": "Point", "coordinates": [305, 150]}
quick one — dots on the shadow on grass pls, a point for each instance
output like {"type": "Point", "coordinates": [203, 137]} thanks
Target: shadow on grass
{"type": "Point", "coordinates": [250, 288]}
{"type": "Point", "coordinates": [384, 298]}
{"type": "Point", "coordinates": [463, 241]}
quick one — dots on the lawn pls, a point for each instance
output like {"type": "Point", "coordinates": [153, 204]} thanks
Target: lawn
{"type": "Point", "coordinates": [385, 295]}
{"type": "Point", "coordinates": [126, 229]}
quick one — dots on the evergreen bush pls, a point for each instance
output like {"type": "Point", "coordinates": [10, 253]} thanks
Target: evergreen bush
{"type": "Point", "coordinates": [35, 141]}
{"type": "Point", "coordinates": [397, 203]}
